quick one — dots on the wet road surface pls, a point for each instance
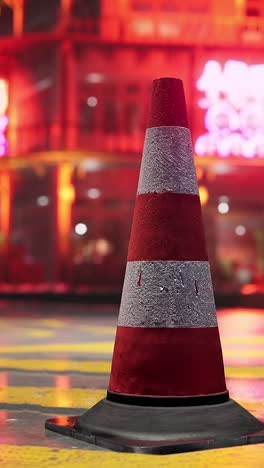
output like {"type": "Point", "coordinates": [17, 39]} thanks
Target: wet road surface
{"type": "Point", "coordinates": [55, 359]}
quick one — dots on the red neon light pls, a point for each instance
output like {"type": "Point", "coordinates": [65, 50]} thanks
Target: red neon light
{"type": "Point", "coordinates": [249, 289]}
{"type": "Point", "coordinates": [234, 103]}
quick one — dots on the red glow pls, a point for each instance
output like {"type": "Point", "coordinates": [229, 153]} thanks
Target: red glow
{"type": "Point", "coordinates": [62, 381]}
{"type": "Point", "coordinates": [62, 391]}
{"type": "Point", "coordinates": [3, 380]}
{"type": "Point", "coordinates": [3, 396]}
{"type": "Point", "coordinates": [249, 289]}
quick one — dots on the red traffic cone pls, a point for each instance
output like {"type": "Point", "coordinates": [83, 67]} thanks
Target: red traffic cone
{"type": "Point", "coordinates": [167, 390]}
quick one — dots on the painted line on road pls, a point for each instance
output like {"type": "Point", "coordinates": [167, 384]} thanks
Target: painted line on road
{"type": "Point", "coordinates": [243, 339]}
{"type": "Point", "coordinates": [104, 367]}
{"type": "Point", "coordinates": [51, 397]}
{"type": "Point", "coordinates": [246, 456]}
{"type": "Point", "coordinates": [100, 367]}
{"type": "Point", "coordinates": [94, 347]}
{"type": "Point", "coordinates": [66, 397]}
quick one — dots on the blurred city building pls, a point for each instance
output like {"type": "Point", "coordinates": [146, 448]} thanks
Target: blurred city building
{"type": "Point", "coordinates": [75, 84]}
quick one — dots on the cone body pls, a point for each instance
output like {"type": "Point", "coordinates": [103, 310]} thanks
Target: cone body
{"type": "Point", "coordinates": [167, 342]}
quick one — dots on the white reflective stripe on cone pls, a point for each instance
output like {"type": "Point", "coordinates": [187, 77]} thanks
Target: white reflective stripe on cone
{"type": "Point", "coordinates": [167, 294]}
{"type": "Point", "coordinates": [167, 162]}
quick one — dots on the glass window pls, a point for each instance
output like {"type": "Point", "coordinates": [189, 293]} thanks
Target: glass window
{"type": "Point", "coordinates": [132, 117]}
{"type": "Point", "coordinates": [110, 122]}
{"type": "Point", "coordinates": [31, 255]}
{"type": "Point", "coordinates": [169, 7]}
{"type": "Point", "coordinates": [87, 116]}
{"type": "Point", "coordinates": [132, 88]}
{"type": "Point", "coordinates": [141, 5]}
{"type": "Point", "coordinates": [250, 11]}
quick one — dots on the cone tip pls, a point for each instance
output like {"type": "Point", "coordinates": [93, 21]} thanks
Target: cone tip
{"type": "Point", "coordinates": [168, 106]}
{"type": "Point", "coordinates": [169, 79]}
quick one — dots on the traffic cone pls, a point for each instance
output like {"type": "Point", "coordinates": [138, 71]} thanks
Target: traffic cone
{"type": "Point", "coordinates": [167, 390]}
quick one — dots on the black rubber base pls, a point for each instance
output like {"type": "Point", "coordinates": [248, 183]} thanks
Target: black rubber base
{"type": "Point", "coordinates": [157, 430]}
{"type": "Point", "coordinates": [139, 400]}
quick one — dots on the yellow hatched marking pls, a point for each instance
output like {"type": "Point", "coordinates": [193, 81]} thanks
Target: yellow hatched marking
{"type": "Point", "coordinates": [56, 365]}
{"type": "Point", "coordinates": [97, 330]}
{"type": "Point", "coordinates": [244, 372]}
{"type": "Point", "coordinates": [244, 339]}
{"type": "Point", "coordinates": [53, 397]}
{"type": "Point", "coordinates": [69, 397]}
{"type": "Point", "coordinates": [96, 347]}
{"type": "Point", "coordinates": [53, 323]}
{"type": "Point", "coordinates": [38, 333]}
{"type": "Point", "coordinates": [104, 367]}
{"type": "Point", "coordinates": [101, 347]}
{"type": "Point", "coordinates": [244, 352]}
{"type": "Point", "coordinates": [44, 457]}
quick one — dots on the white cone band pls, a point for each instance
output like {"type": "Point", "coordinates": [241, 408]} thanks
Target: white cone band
{"type": "Point", "coordinates": [167, 162]}
{"type": "Point", "coordinates": [167, 294]}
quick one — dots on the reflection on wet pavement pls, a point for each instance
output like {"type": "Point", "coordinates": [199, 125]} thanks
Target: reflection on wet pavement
{"type": "Point", "coordinates": [56, 359]}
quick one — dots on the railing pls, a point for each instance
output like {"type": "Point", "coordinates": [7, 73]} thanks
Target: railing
{"type": "Point", "coordinates": [47, 137]}
{"type": "Point", "coordinates": [174, 29]}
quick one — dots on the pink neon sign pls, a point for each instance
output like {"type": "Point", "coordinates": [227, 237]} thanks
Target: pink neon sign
{"type": "Point", "coordinates": [3, 117]}
{"type": "Point", "coordinates": [234, 103]}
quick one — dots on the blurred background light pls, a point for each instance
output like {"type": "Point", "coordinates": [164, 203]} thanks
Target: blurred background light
{"type": "Point", "coordinates": [92, 101]}
{"type": "Point", "coordinates": [43, 200]}
{"type": "Point", "coordinates": [204, 194]}
{"type": "Point", "coordinates": [81, 229]}
{"type": "Point", "coordinates": [95, 77]}
{"type": "Point", "coordinates": [240, 230]}
{"type": "Point", "coordinates": [93, 193]}
{"type": "Point", "coordinates": [223, 207]}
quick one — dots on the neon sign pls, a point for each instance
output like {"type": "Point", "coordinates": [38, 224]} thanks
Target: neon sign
{"type": "Point", "coordinates": [3, 117]}
{"type": "Point", "coordinates": [234, 103]}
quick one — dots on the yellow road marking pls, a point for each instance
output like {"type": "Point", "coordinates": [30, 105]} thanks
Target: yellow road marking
{"type": "Point", "coordinates": [101, 347]}
{"type": "Point", "coordinates": [241, 352]}
{"type": "Point", "coordinates": [52, 397]}
{"type": "Point", "coordinates": [69, 397]}
{"type": "Point", "coordinates": [53, 323]}
{"type": "Point", "coordinates": [95, 347]}
{"type": "Point", "coordinates": [38, 333]}
{"type": "Point", "coordinates": [243, 339]}
{"type": "Point", "coordinates": [104, 367]}
{"type": "Point", "coordinates": [244, 372]}
{"type": "Point", "coordinates": [56, 365]}
{"type": "Point", "coordinates": [44, 457]}
{"type": "Point", "coordinates": [97, 329]}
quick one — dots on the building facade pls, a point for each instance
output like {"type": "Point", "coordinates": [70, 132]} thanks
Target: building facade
{"type": "Point", "coordinates": [74, 93]}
